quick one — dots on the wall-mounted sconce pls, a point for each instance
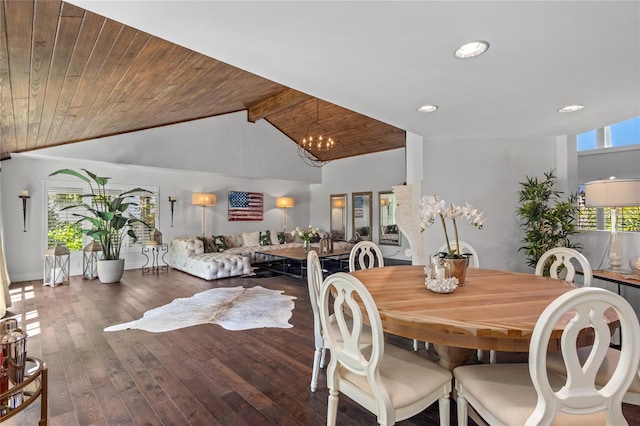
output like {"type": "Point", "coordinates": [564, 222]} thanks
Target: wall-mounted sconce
{"type": "Point", "coordinates": [172, 200]}
{"type": "Point", "coordinates": [203, 200]}
{"type": "Point", "coordinates": [284, 203]}
{"type": "Point", "coordinates": [25, 196]}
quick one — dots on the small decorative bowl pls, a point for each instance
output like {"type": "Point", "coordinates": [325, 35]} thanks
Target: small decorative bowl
{"type": "Point", "coordinates": [634, 263]}
{"type": "Point", "coordinates": [446, 285]}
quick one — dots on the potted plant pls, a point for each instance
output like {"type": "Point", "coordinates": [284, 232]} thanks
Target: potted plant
{"type": "Point", "coordinates": [109, 225]}
{"type": "Point", "coordinates": [547, 220]}
{"type": "Point", "coordinates": [432, 208]}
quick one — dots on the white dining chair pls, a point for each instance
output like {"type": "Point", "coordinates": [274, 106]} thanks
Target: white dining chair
{"type": "Point", "coordinates": [365, 255]}
{"type": "Point", "coordinates": [465, 247]}
{"type": "Point", "coordinates": [314, 282]}
{"type": "Point", "coordinates": [392, 383]}
{"type": "Point", "coordinates": [562, 266]}
{"type": "Point", "coordinates": [530, 394]}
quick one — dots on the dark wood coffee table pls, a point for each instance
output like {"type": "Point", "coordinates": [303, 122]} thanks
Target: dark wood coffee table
{"type": "Point", "coordinates": [293, 261]}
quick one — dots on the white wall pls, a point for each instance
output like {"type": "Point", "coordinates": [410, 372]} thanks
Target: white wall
{"type": "Point", "coordinates": [373, 172]}
{"type": "Point", "coordinates": [486, 174]}
{"type": "Point", "coordinates": [228, 145]}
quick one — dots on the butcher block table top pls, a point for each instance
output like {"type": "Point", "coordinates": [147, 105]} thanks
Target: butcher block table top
{"type": "Point", "coordinates": [494, 309]}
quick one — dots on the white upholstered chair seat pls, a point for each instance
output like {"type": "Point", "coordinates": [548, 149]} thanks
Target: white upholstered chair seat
{"type": "Point", "coordinates": [508, 394]}
{"type": "Point", "coordinates": [402, 373]}
{"type": "Point", "coordinates": [555, 363]}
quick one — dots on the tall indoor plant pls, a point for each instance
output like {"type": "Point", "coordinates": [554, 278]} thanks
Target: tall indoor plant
{"type": "Point", "coordinates": [548, 221]}
{"type": "Point", "coordinates": [108, 224]}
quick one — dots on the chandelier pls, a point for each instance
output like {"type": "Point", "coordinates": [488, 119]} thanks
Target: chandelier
{"type": "Point", "coordinates": [315, 141]}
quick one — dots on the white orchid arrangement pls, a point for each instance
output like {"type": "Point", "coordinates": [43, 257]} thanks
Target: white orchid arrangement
{"type": "Point", "coordinates": [305, 234]}
{"type": "Point", "coordinates": [431, 207]}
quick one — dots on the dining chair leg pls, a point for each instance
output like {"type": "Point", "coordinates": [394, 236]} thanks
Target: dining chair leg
{"type": "Point", "coordinates": [492, 357]}
{"type": "Point", "coordinates": [426, 345]}
{"type": "Point", "coordinates": [332, 408]}
{"type": "Point", "coordinates": [480, 355]}
{"type": "Point", "coordinates": [415, 345]}
{"type": "Point", "coordinates": [461, 411]}
{"type": "Point", "coordinates": [323, 359]}
{"type": "Point", "coordinates": [316, 369]}
{"type": "Point", "coordinates": [444, 404]}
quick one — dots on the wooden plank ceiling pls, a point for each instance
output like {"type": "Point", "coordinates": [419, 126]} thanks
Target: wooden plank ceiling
{"type": "Point", "coordinates": [68, 75]}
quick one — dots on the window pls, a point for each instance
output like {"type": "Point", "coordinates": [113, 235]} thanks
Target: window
{"type": "Point", "coordinates": [61, 224]}
{"type": "Point", "coordinates": [147, 211]}
{"type": "Point", "coordinates": [626, 132]}
{"type": "Point", "coordinates": [616, 135]}
{"type": "Point", "coordinates": [587, 140]}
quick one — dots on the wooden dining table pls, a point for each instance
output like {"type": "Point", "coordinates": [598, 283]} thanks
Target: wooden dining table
{"type": "Point", "coordinates": [494, 310]}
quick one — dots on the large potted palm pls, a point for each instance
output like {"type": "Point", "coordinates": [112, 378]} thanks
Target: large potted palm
{"type": "Point", "coordinates": [108, 224]}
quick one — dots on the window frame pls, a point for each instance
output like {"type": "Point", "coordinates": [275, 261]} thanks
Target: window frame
{"type": "Point", "coordinates": [84, 189]}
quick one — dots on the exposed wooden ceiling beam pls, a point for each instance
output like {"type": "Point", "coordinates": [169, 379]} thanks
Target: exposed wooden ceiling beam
{"type": "Point", "coordinates": [274, 104]}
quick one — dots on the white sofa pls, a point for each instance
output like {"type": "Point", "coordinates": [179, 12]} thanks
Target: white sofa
{"type": "Point", "coordinates": [188, 254]}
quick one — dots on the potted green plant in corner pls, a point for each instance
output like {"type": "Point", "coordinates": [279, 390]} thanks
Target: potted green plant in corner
{"type": "Point", "coordinates": [109, 225]}
{"type": "Point", "coordinates": [547, 220]}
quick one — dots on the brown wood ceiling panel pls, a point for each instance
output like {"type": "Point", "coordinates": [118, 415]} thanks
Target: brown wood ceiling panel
{"type": "Point", "coordinates": [68, 75]}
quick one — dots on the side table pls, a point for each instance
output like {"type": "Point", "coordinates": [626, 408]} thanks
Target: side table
{"type": "Point", "coordinates": [155, 254]}
{"type": "Point", "coordinates": [23, 394]}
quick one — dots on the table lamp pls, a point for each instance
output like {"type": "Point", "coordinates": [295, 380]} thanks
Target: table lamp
{"type": "Point", "coordinates": [613, 193]}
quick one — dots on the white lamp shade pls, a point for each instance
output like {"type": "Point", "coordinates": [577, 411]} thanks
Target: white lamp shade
{"type": "Point", "coordinates": [284, 202]}
{"type": "Point", "coordinates": [612, 193]}
{"type": "Point", "coordinates": [203, 199]}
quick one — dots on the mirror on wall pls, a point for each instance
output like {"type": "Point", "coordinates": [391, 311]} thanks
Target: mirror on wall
{"type": "Point", "coordinates": [389, 233]}
{"type": "Point", "coordinates": [338, 222]}
{"type": "Point", "coordinates": [361, 215]}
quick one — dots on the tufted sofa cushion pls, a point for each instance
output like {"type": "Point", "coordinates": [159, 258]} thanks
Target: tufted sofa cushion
{"type": "Point", "coordinates": [187, 254]}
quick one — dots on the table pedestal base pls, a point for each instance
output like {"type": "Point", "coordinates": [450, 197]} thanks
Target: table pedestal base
{"type": "Point", "coordinates": [452, 357]}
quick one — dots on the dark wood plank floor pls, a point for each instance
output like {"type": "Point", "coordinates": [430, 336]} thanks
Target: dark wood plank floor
{"type": "Point", "coordinates": [202, 375]}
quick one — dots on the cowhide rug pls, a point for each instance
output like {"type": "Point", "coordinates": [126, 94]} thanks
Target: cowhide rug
{"type": "Point", "coordinates": [235, 308]}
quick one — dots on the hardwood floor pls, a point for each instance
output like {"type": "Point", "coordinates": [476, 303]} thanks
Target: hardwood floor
{"type": "Point", "coordinates": [202, 375]}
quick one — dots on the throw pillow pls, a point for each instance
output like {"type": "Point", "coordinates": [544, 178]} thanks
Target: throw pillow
{"type": "Point", "coordinates": [274, 237]}
{"type": "Point", "coordinates": [209, 245]}
{"type": "Point", "coordinates": [220, 243]}
{"type": "Point", "coordinates": [265, 238]}
{"type": "Point", "coordinates": [281, 238]}
{"type": "Point", "coordinates": [250, 239]}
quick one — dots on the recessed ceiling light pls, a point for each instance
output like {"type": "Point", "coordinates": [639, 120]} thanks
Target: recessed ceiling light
{"type": "Point", "coordinates": [427, 108]}
{"type": "Point", "coordinates": [472, 49]}
{"type": "Point", "coordinates": [571, 108]}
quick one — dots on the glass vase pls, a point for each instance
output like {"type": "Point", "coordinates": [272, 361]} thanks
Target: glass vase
{"type": "Point", "coordinates": [306, 245]}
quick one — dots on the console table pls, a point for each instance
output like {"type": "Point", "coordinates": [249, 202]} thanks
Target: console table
{"type": "Point", "coordinates": [155, 254]}
{"type": "Point", "coordinates": [21, 395]}
{"type": "Point", "coordinates": [616, 278]}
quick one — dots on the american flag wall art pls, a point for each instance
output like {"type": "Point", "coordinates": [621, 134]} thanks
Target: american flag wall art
{"type": "Point", "coordinates": [245, 205]}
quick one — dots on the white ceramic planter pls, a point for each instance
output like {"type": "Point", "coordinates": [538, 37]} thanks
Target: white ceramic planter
{"type": "Point", "coordinates": [110, 271]}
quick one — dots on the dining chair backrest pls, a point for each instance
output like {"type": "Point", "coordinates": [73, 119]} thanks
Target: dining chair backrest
{"type": "Point", "coordinates": [389, 381]}
{"type": "Point", "coordinates": [365, 255]}
{"type": "Point", "coordinates": [348, 348]}
{"type": "Point", "coordinates": [465, 247]}
{"type": "Point", "coordinates": [580, 394]}
{"type": "Point", "coordinates": [314, 282]}
{"type": "Point", "coordinates": [563, 262]}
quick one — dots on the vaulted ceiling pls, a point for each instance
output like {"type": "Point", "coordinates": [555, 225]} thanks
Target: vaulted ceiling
{"type": "Point", "coordinates": [68, 75]}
